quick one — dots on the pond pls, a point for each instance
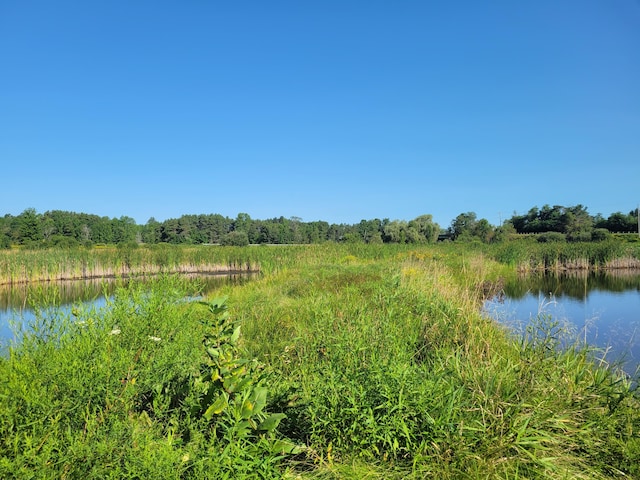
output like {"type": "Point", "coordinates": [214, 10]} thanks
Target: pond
{"type": "Point", "coordinates": [601, 309]}
{"type": "Point", "coordinates": [16, 300]}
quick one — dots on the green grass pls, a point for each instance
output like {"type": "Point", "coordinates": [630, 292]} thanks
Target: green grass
{"type": "Point", "coordinates": [528, 255]}
{"type": "Point", "coordinates": [377, 356]}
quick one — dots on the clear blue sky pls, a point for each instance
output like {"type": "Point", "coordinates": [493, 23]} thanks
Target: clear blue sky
{"type": "Point", "coordinates": [325, 110]}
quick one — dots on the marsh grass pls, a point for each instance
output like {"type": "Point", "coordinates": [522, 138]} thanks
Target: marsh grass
{"type": "Point", "coordinates": [378, 357]}
{"type": "Point", "coordinates": [24, 266]}
{"type": "Point", "coordinates": [387, 367]}
{"type": "Point", "coordinates": [528, 255]}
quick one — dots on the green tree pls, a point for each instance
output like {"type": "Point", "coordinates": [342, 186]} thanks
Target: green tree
{"type": "Point", "coordinates": [28, 227]}
{"type": "Point", "coordinates": [483, 230]}
{"type": "Point", "coordinates": [427, 229]}
{"type": "Point", "coordinates": [577, 222]}
{"type": "Point", "coordinates": [619, 222]}
{"type": "Point", "coordinates": [151, 231]}
{"type": "Point", "coordinates": [242, 222]}
{"type": "Point", "coordinates": [124, 230]}
{"type": "Point", "coordinates": [393, 232]}
{"type": "Point", "coordinates": [463, 225]}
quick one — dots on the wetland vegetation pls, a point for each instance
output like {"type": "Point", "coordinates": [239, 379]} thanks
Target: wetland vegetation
{"type": "Point", "coordinates": [359, 351]}
{"type": "Point", "coordinates": [339, 361]}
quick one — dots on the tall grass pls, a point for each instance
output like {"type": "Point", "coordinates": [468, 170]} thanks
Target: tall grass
{"type": "Point", "coordinates": [21, 266]}
{"type": "Point", "coordinates": [388, 371]}
{"type": "Point", "coordinates": [378, 357]}
{"type": "Point", "coordinates": [529, 255]}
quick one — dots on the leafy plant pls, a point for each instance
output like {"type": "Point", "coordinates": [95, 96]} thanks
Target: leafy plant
{"type": "Point", "coordinates": [233, 393]}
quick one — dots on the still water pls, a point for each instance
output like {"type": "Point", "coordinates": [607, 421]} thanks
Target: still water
{"type": "Point", "coordinates": [16, 300]}
{"type": "Point", "coordinates": [600, 309]}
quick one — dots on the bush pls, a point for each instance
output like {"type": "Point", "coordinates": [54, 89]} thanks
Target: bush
{"type": "Point", "coordinates": [600, 234]}
{"type": "Point", "coordinates": [550, 237]}
{"type": "Point", "coordinates": [237, 238]}
{"type": "Point", "coordinates": [582, 236]}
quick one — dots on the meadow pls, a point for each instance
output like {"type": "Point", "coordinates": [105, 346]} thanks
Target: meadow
{"type": "Point", "coordinates": [339, 361]}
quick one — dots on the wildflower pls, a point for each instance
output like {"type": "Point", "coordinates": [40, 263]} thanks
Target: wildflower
{"type": "Point", "coordinates": [155, 339]}
{"type": "Point", "coordinates": [115, 331]}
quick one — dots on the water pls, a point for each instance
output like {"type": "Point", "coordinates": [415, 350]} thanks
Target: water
{"type": "Point", "coordinates": [600, 309]}
{"type": "Point", "coordinates": [15, 300]}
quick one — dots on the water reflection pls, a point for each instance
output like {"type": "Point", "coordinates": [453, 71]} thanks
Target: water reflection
{"type": "Point", "coordinates": [574, 284]}
{"type": "Point", "coordinates": [600, 308]}
{"type": "Point", "coordinates": [16, 300]}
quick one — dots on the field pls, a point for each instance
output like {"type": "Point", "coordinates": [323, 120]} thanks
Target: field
{"type": "Point", "coordinates": [340, 361]}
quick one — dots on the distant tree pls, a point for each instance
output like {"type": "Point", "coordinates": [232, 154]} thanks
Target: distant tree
{"type": "Point", "coordinates": [368, 229]}
{"type": "Point", "coordinates": [463, 225]}
{"type": "Point", "coordinates": [483, 230]}
{"type": "Point", "coordinates": [574, 221]}
{"type": "Point", "coordinates": [29, 228]}
{"type": "Point", "coordinates": [101, 230]}
{"type": "Point", "coordinates": [393, 232]}
{"type": "Point", "coordinates": [577, 222]}
{"type": "Point", "coordinates": [375, 238]}
{"type": "Point", "coordinates": [5, 231]}
{"type": "Point", "coordinates": [151, 231]}
{"type": "Point", "coordinates": [619, 222]}
{"type": "Point", "coordinates": [235, 238]}
{"type": "Point", "coordinates": [352, 237]}
{"type": "Point", "coordinates": [242, 222]}
{"type": "Point", "coordinates": [504, 232]}
{"type": "Point", "coordinates": [427, 229]}
{"type": "Point", "coordinates": [335, 232]}
{"type": "Point", "coordinates": [316, 232]}
{"type": "Point", "coordinates": [124, 229]}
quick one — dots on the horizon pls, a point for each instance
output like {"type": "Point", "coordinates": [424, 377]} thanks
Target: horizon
{"type": "Point", "coordinates": [334, 112]}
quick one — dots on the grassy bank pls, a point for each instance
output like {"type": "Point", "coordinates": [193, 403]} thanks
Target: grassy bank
{"type": "Point", "coordinates": [377, 356]}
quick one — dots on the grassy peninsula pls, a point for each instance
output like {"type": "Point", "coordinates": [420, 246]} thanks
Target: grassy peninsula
{"type": "Point", "coordinates": [340, 361]}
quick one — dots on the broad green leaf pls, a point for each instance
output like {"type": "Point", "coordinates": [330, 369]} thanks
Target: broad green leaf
{"type": "Point", "coordinates": [235, 335]}
{"type": "Point", "coordinates": [247, 409]}
{"type": "Point", "coordinates": [271, 422]}
{"type": "Point", "coordinates": [260, 398]}
{"type": "Point", "coordinates": [234, 384]}
{"type": "Point", "coordinates": [283, 446]}
{"type": "Point", "coordinates": [217, 407]}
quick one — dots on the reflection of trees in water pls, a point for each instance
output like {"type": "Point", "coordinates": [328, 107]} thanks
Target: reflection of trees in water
{"type": "Point", "coordinates": [61, 293]}
{"type": "Point", "coordinates": [573, 284]}
{"type": "Point", "coordinates": [70, 291]}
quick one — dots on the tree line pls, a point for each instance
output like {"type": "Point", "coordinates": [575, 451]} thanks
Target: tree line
{"type": "Point", "coordinates": [67, 229]}
{"type": "Point", "coordinates": [62, 228]}
{"type": "Point", "coordinates": [549, 223]}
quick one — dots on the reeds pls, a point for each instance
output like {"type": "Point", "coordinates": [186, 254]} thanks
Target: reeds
{"type": "Point", "coordinates": [26, 266]}
{"type": "Point", "coordinates": [529, 255]}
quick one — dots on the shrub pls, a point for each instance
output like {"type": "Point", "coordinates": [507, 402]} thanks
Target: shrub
{"type": "Point", "coordinates": [237, 238]}
{"type": "Point", "coordinates": [600, 234]}
{"type": "Point", "coordinates": [582, 236]}
{"type": "Point", "coordinates": [550, 237]}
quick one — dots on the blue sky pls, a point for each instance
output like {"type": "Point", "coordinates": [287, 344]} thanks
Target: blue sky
{"type": "Point", "coordinates": [332, 110]}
